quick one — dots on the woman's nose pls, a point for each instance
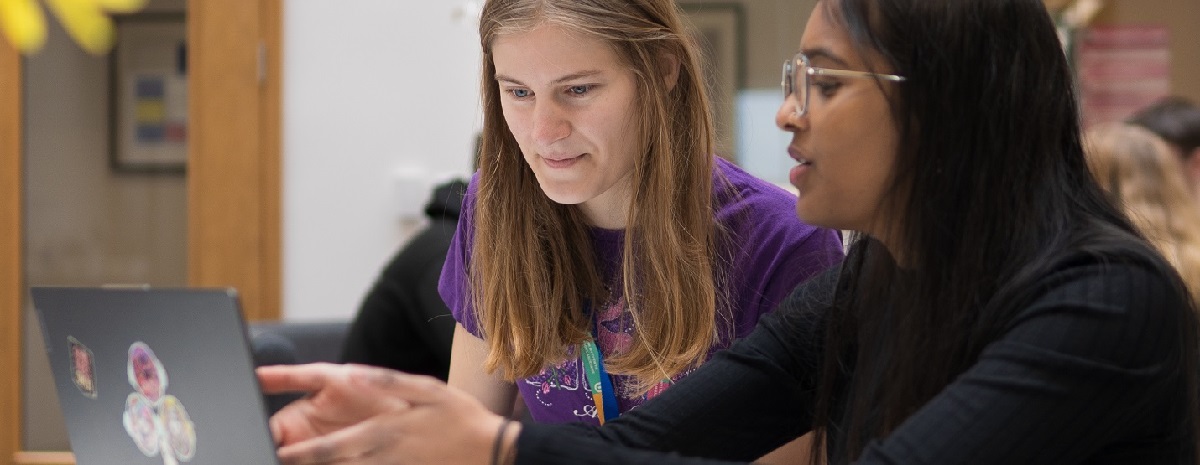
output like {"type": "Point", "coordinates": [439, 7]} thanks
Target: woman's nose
{"type": "Point", "coordinates": [550, 125]}
{"type": "Point", "coordinates": [785, 116]}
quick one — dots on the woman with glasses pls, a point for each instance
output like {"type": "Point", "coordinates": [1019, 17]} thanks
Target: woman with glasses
{"type": "Point", "coordinates": [995, 308]}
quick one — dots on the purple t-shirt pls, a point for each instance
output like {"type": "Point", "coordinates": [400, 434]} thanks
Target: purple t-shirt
{"type": "Point", "coordinates": [773, 251]}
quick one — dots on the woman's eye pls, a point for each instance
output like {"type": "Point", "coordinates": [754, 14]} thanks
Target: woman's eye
{"type": "Point", "coordinates": [579, 90]}
{"type": "Point", "coordinates": [520, 93]}
{"type": "Point", "coordinates": [827, 88]}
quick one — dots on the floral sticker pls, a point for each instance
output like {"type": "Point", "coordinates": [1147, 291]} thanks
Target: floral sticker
{"type": "Point", "coordinates": [157, 422]}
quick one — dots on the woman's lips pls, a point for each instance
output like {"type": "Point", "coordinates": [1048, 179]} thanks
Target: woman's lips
{"type": "Point", "coordinates": [797, 172]}
{"type": "Point", "coordinates": [562, 162]}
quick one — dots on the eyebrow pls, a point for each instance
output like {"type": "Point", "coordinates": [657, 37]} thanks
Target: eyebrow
{"type": "Point", "coordinates": [567, 78]}
{"type": "Point", "coordinates": [822, 52]}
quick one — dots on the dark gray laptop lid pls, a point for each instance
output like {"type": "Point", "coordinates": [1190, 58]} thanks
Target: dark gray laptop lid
{"type": "Point", "coordinates": [154, 376]}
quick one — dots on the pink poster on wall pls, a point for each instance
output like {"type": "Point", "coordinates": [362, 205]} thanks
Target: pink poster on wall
{"type": "Point", "coordinates": [1121, 70]}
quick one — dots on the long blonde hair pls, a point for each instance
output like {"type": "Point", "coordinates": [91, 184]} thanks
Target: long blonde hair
{"type": "Point", "coordinates": [533, 268]}
{"type": "Point", "coordinates": [1144, 176]}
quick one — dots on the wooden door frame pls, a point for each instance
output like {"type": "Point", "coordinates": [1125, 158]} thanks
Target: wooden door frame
{"type": "Point", "coordinates": [230, 168]}
{"type": "Point", "coordinates": [234, 167]}
{"type": "Point", "coordinates": [11, 287]}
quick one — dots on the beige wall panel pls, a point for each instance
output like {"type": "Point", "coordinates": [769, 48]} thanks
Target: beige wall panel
{"type": "Point", "coordinates": [773, 29]}
{"type": "Point", "coordinates": [1182, 18]}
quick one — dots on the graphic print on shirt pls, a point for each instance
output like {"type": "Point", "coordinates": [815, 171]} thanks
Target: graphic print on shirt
{"type": "Point", "coordinates": [555, 380]}
{"type": "Point", "coordinates": [565, 382]}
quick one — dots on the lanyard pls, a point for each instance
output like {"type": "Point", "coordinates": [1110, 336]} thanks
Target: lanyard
{"type": "Point", "coordinates": [603, 393]}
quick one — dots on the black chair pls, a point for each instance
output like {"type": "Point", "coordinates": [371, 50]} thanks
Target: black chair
{"type": "Point", "coordinates": [290, 343]}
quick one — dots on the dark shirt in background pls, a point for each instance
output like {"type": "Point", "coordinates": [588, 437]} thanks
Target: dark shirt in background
{"type": "Point", "coordinates": [402, 322]}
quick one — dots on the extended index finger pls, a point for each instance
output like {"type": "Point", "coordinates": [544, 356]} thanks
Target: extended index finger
{"type": "Point", "coordinates": [312, 377]}
{"type": "Point", "coordinates": [416, 389]}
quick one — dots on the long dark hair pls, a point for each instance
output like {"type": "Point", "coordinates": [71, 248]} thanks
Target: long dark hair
{"type": "Point", "coordinates": [993, 186]}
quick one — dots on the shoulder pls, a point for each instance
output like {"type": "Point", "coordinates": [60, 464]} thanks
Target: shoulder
{"type": "Point", "coordinates": [1125, 309]}
{"type": "Point", "coordinates": [1117, 284]}
{"type": "Point", "coordinates": [762, 216]}
{"type": "Point", "coordinates": [1113, 271]}
{"type": "Point", "coordinates": [472, 189]}
{"type": "Point", "coordinates": [734, 188]}
{"type": "Point", "coordinates": [454, 284]}
{"type": "Point", "coordinates": [469, 196]}
{"type": "Point", "coordinates": [766, 249]}
{"type": "Point", "coordinates": [1107, 332]}
{"type": "Point", "coordinates": [742, 200]}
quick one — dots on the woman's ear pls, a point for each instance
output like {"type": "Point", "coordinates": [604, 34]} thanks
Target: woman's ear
{"type": "Point", "coordinates": [670, 69]}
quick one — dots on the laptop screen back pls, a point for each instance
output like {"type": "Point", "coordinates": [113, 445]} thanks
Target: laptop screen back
{"type": "Point", "coordinates": [149, 376]}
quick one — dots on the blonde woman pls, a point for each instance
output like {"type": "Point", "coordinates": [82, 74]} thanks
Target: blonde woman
{"type": "Point", "coordinates": [604, 252]}
{"type": "Point", "coordinates": [1142, 174]}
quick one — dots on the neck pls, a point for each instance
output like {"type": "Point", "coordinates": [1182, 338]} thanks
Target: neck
{"type": "Point", "coordinates": [609, 210]}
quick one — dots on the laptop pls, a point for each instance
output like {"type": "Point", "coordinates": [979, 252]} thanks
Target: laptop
{"type": "Point", "coordinates": [154, 376]}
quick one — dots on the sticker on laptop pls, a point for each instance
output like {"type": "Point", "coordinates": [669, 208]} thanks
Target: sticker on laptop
{"type": "Point", "coordinates": [157, 422]}
{"type": "Point", "coordinates": [83, 367]}
{"type": "Point", "coordinates": [181, 433]}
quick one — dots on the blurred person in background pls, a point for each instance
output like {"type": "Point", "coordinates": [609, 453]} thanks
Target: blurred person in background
{"type": "Point", "coordinates": [1142, 174]}
{"type": "Point", "coordinates": [1177, 121]}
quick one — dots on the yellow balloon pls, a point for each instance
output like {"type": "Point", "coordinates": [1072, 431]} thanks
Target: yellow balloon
{"type": "Point", "coordinates": [86, 23]}
{"type": "Point", "coordinates": [22, 22]}
{"type": "Point", "coordinates": [121, 6]}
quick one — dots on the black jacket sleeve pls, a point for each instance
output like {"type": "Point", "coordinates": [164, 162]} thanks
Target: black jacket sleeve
{"type": "Point", "coordinates": [1089, 372]}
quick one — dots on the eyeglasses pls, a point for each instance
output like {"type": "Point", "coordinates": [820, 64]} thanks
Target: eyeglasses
{"type": "Point", "coordinates": [799, 83]}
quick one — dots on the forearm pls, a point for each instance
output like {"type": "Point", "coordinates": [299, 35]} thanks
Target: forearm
{"type": "Point", "coordinates": [467, 374]}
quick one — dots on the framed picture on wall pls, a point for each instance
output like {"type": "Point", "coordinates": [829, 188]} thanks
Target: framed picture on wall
{"type": "Point", "coordinates": [720, 32]}
{"type": "Point", "coordinates": [148, 94]}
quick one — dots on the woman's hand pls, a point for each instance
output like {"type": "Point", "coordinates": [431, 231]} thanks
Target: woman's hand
{"type": "Point", "coordinates": [356, 414]}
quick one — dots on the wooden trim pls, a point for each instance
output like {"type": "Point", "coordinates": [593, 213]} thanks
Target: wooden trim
{"type": "Point", "coordinates": [11, 287]}
{"type": "Point", "coordinates": [44, 458]}
{"type": "Point", "coordinates": [233, 237]}
{"type": "Point", "coordinates": [271, 132]}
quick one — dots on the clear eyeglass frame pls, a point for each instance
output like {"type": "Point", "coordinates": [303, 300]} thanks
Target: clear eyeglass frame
{"type": "Point", "coordinates": [792, 86]}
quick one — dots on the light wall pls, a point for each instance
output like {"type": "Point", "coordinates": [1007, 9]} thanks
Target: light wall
{"type": "Point", "coordinates": [380, 100]}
